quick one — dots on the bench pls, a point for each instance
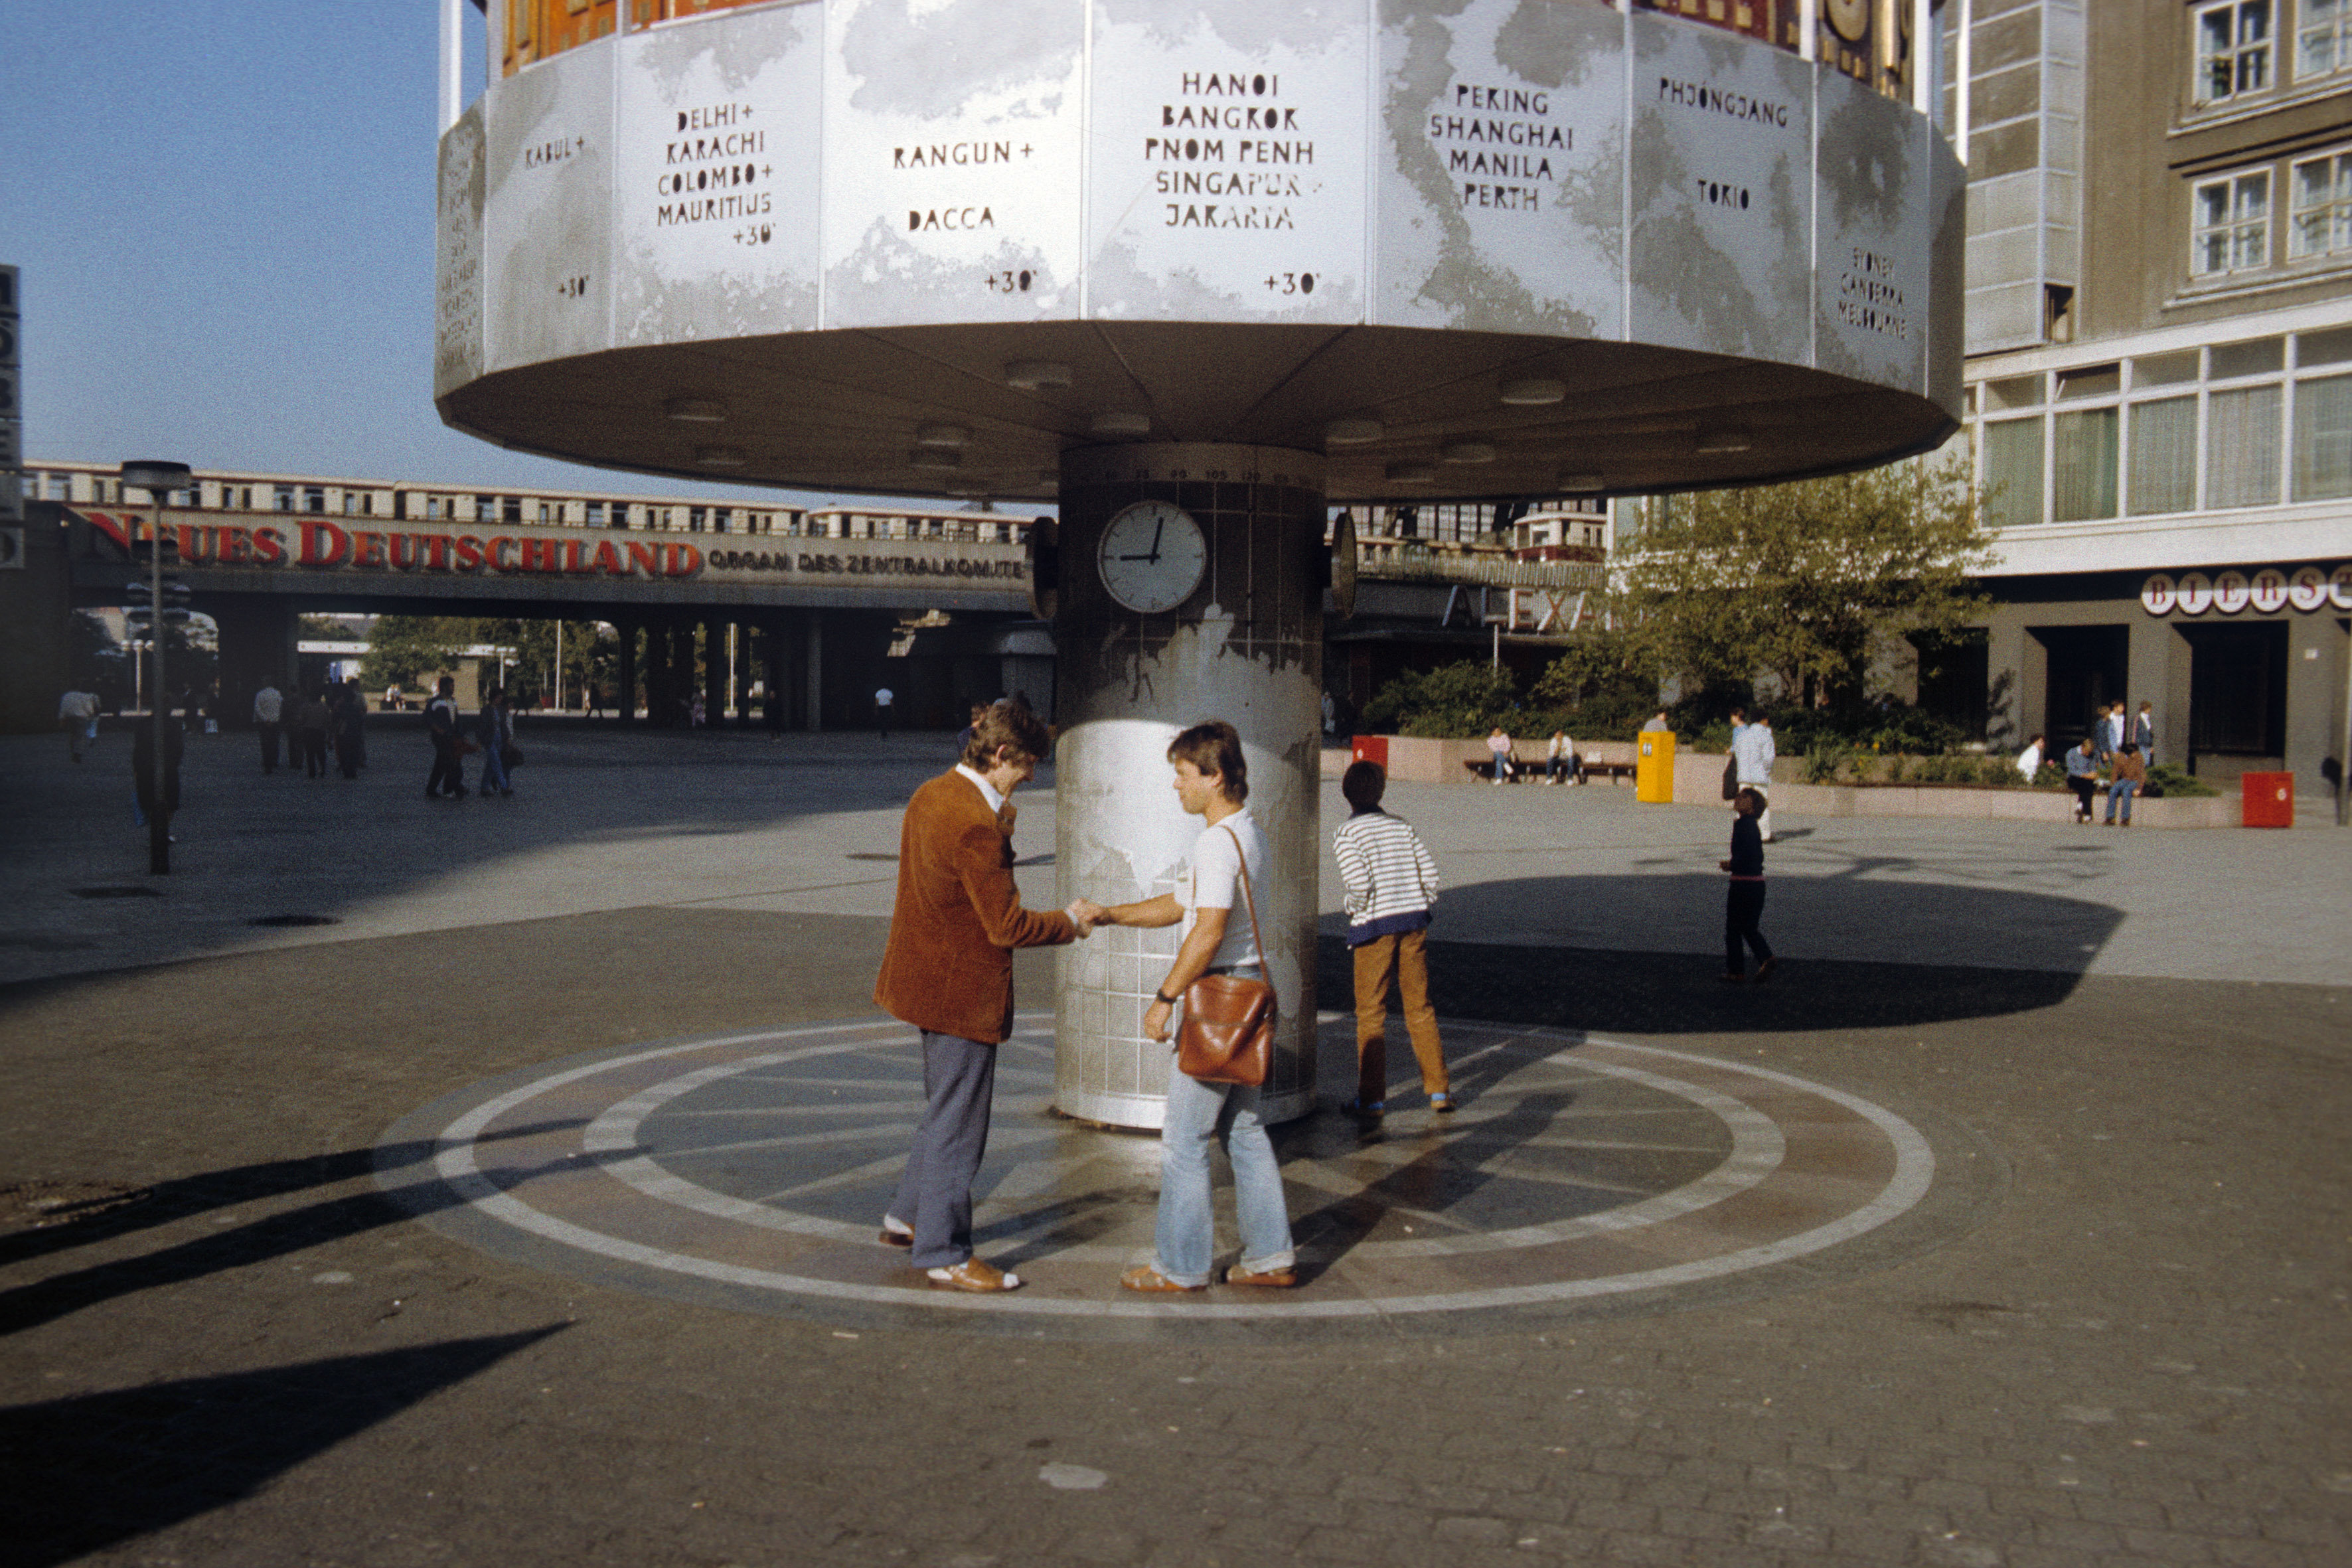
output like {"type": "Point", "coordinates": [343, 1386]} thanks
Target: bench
{"type": "Point", "coordinates": [1600, 760]}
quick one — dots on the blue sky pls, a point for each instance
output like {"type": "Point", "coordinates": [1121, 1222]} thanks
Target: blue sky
{"type": "Point", "coordinates": [223, 211]}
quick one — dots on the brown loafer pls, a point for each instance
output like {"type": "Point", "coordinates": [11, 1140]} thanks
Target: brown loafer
{"type": "Point", "coordinates": [1272, 1278]}
{"type": "Point", "coordinates": [893, 1236]}
{"type": "Point", "coordinates": [975, 1274]}
{"type": "Point", "coordinates": [1152, 1283]}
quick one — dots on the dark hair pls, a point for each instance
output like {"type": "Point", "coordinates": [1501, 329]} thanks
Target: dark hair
{"type": "Point", "coordinates": [1364, 783]}
{"type": "Point", "coordinates": [1214, 746]}
{"type": "Point", "coordinates": [1011, 724]}
{"type": "Point", "coordinates": [2131, 748]}
{"type": "Point", "coordinates": [1750, 799]}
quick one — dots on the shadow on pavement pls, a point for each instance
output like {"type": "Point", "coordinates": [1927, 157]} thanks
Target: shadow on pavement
{"type": "Point", "coordinates": [271, 1235]}
{"type": "Point", "coordinates": [1603, 991]}
{"type": "Point", "coordinates": [86, 1472]}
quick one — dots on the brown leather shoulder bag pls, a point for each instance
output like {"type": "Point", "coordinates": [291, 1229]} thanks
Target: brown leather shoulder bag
{"type": "Point", "coordinates": [1227, 1035]}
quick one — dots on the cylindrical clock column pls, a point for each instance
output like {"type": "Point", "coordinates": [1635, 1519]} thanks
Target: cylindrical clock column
{"type": "Point", "coordinates": [1153, 633]}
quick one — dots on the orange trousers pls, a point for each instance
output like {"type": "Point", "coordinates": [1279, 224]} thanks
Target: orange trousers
{"type": "Point", "coordinates": [1406, 956]}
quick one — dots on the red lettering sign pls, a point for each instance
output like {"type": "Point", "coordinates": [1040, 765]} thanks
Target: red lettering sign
{"type": "Point", "coordinates": [235, 546]}
{"type": "Point", "coordinates": [469, 552]}
{"type": "Point", "coordinates": [268, 546]}
{"type": "Point", "coordinates": [367, 548]}
{"type": "Point", "coordinates": [540, 555]}
{"type": "Point", "coordinates": [118, 531]}
{"type": "Point", "coordinates": [608, 559]}
{"type": "Point", "coordinates": [323, 544]}
{"type": "Point", "coordinates": [646, 558]}
{"type": "Point", "coordinates": [685, 560]}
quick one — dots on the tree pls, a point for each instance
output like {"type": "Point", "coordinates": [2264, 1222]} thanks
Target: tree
{"type": "Point", "coordinates": [1816, 583]}
{"type": "Point", "coordinates": [402, 647]}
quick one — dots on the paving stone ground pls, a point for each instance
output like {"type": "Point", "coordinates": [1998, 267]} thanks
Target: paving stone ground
{"type": "Point", "coordinates": [245, 1355]}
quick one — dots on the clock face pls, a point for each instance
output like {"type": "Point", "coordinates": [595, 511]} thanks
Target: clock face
{"type": "Point", "coordinates": [1152, 556]}
{"type": "Point", "coordinates": [1851, 18]}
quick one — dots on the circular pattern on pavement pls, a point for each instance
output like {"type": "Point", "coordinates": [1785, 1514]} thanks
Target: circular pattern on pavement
{"type": "Point", "coordinates": [1581, 1175]}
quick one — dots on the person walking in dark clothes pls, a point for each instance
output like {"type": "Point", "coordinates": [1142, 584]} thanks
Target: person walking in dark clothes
{"type": "Point", "coordinates": [311, 722]}
{"type": "Point", "coordinates": [1744, 902]}
{"type": "Point", "coordinates": [349, 728]}
{"type": "Point", "coordinates": [448, 775]}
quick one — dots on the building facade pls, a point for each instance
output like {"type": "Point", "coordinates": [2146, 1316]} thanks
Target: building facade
{"type": "Point", "coordinates": [2159, 371]}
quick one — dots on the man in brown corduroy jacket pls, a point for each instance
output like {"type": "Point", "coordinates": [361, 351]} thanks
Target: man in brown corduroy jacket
{"type": "Point", "coordinates": [948, 970]}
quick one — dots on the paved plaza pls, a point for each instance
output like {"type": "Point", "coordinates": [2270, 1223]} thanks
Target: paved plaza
{"type": "Point", "coordinates": [494, 1182]}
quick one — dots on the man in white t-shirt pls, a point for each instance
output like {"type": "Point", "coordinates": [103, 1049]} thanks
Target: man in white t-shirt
{"type": "Point", "coordinates": [1220, 937]}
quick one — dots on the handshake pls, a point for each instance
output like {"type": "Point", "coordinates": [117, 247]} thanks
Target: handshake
{"type": "Point", "coordinates": [1085, 914]}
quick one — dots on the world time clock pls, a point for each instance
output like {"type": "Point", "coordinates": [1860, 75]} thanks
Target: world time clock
{"type": "Point", "coordinates": [1152, 556]}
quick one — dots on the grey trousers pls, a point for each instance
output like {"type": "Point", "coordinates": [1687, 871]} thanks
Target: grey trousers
{"type": "Point", "coordinates": [935, 1195]}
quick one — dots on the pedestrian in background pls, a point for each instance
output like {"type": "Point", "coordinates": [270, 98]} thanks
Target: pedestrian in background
{"type": "Point", "coordinates": [1391, 884]}
{"type": "Point", "coordinates": [2144, 733]}
{"type": "Point", "coordinates": [1753, 754]}
{"type": "Point", "coordinates": [1500, 745]}
{"type": "Point", "coordinates": [77, 712]}
{"type": "Point", "coordinates": [882, 698]}
{"type": "Point", "coordinates": [447, 779]}
{"type": "Point", "coordinates": [494, 732]}
{"type": "Point", "coordinates": [2029, 761]}
{"type": "Point", "coordinates": [311, 720]}
{"type": "Point", "coordinates": [2130, 774]}
{"type": "Point", "coordinates": [351, 727]}
{"type": "Point", "coordinates": [268, 718]}
{"type": "Point", "coordinates": [1743, 905]}
{"type": "Point", "coordinates": [1559, 757]}
{"type": "Point", "coordinates": [2083, 774]}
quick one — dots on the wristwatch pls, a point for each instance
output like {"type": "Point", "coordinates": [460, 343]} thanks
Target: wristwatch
{"type": "Point", "coordinates": [1164, 998]}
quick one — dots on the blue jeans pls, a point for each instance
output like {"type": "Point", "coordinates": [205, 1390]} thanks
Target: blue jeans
{"type": "Point", "coordinates": [2123, 790]}
{"type": "Point", "coordinates": [1198, 1116]}
{"type": "Point", "coordinates": [494, 770]}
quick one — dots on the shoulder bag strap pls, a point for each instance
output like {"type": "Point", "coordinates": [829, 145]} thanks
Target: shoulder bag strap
{"type": "Point", "coordinates": [1248, 897]}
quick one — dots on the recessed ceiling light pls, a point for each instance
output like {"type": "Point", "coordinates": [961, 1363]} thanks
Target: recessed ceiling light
{"type": "Point", "coordinates": [1353, 432]}
{"type": "Point", "coordinates": [1030, 374]}
{"type": "Point", "coordinates": [1411, 473]}
{"type": "Point", "coordinates": [695, 410]}
{"type": "Point", "coordinates": [941, 436]}
{"type": "Point", "coordinates": [1725, 440]}
{"type": "Point", "coordinates": [1121, 422]}
{"type": "Point", "coordinates": [1468, 452]}
{"type": "Point", "coordinates": [1530, 391]}
{"type": "Point", "coordinates": [720, 457]}
{"type": "Point", "coordinates": [934, 458]}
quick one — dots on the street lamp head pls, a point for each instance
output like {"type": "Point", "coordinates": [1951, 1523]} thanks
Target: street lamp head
{"type": "Point", "coordinates": [155, 477]}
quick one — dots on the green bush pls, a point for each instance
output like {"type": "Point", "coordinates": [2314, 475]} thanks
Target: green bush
{"type": "Point", "coordinates": [2179, 783]}
{"type": "Point", "coordinates": [1823, 765]}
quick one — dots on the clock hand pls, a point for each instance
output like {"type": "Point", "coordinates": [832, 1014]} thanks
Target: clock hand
{"type": "Point", "coordinates": [1156, 529]}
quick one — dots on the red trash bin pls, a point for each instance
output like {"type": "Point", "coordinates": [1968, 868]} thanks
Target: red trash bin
{"type": "Point", "coordinates": [2268, 799]}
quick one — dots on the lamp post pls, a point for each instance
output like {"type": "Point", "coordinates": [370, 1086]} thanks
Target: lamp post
{"type": "Point", "coordinates": [159, 480]}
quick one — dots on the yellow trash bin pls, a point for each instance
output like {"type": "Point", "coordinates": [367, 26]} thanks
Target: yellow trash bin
{"type": "Point", "coordinates": [1654, 768]}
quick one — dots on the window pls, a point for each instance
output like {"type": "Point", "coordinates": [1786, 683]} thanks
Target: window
{"type": "Point", "coordinates": [2232, 219]}
{"type": "Point", "coordinates": [282, 497]}
{"type": "Point", "coordinates": [694, 520]}
{"type": "Point", "coordinates": [511, 509]}
{"type": "Point", "coordinates": [2234, 50]}
{"type": "Point", "coordinates": [2242, 448]}
{"type": "Point", "coordinates": [544, 515]}
{"type": "Point", "coordinates": [2320, 221]}
{"type": "Point", "coordinates": [595, 515]}
{"type": "Point", "coordinates": [2323, 40]}
{"type": "Point", "coordinates": [2163, 456]}
{"type": "Point", "coordinates": [351, 504]}
{"type": "Point", "coordinates": [486, 508]}
{"type": "Point", "coordinates": [2323, 439]}
{"type": "Point", "coordinates": [314, 498]}
{"type": "Point", "coordinates": [2013, 471]}
{"type": "Point", "coordinates": [2084, 446]}
{"type": "Point", "coordinates": [433, 508]}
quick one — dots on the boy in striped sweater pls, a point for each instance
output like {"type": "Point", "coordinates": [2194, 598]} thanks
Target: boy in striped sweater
{"type": "Point", "coordinates": [1391, 882]}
